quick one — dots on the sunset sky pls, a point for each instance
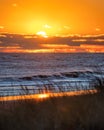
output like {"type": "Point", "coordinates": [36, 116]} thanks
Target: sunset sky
{"type": "Point", "coordinates": [49, 22]}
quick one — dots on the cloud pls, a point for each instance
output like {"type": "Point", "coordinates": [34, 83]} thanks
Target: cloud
{"type": "Point", "coordinates": [34, 42]}
{"type": "Point", "coordinates": [97, 29]}
{"type": "Point", "coordinates": [47, 26]}
{"type": "Point", "coordinates": [16, 39]}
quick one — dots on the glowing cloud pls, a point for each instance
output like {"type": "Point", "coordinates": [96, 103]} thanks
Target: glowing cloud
{"type": "Point", "coordinates": [43, 43]}
{"type": "Point", "coordinates": [97, 29]}
{"type": "Point", "coordinates": [47, 26]}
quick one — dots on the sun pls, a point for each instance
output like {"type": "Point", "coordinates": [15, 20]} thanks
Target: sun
{"type": "Point", "coordinates": [42, 33]}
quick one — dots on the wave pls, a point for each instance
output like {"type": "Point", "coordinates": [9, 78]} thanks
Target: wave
{"type": "Point", "coordinates": [64, 81]}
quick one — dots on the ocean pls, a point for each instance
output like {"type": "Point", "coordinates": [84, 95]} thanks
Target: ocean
{"type": "Point", "coordinates": [23, 73]}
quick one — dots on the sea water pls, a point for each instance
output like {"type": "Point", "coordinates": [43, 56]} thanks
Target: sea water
{"type": "Point", "coordinates": [56, 71]}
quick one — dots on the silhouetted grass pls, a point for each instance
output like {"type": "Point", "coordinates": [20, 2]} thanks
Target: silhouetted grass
{"type": "Point", "coordinates": [84, 112]}
{"type": "Point", "coordinates": [99, 80]}
{"type": "Point", "coordinates": [99, 85]}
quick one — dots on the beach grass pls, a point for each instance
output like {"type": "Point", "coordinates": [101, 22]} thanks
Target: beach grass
{"type": "Point", "coordinates": [84, 112]}
{"type": "Point", "coordinates": [78, 112]}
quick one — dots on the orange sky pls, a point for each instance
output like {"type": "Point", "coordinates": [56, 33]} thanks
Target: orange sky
{"type": "Point", "coordinates": [52, 17]}
{"type": "Point", "coordinates": [63, 16]}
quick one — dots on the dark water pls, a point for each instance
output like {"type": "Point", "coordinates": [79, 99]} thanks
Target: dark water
{"type": "Point", "coordinates": [19, 65]}
{"type": "Point", "coordinates": [42, 68]}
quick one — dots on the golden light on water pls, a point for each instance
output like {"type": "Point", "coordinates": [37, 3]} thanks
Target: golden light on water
{"type": "Point", "coordinates": [43, 96]}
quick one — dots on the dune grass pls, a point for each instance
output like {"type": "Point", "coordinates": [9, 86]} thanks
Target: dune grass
{"type": "Point", "coordinates": [84, 112]}
{"type": "Point", "coordinates": [80, 112]}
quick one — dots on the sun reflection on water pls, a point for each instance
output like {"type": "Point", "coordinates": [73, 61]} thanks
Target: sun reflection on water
{"type": "Point", "coordinates": [46, 95]}
{"type": "Point", "coordinates": [42, 96]}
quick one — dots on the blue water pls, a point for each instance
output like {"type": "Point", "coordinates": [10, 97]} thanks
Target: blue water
{"type": "Point", "coordinates": [34, 70]}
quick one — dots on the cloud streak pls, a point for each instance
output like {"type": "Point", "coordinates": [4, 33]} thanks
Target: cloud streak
{"type": "Point", "coordinates": [74, 43]}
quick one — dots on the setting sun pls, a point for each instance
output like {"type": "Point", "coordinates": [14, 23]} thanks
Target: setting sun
{"type": "Point", "coordinates": [42, 33]}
